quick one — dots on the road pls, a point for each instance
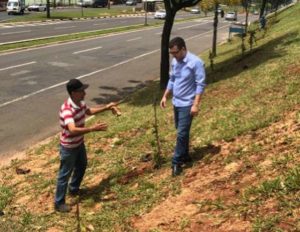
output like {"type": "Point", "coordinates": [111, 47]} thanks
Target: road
{"type": "Point", "coordinates": [33, 80]}
{"type": "Point", "coordinates": [19, 32]}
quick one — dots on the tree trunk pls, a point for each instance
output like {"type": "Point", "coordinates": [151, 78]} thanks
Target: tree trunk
{"type": "Point", "coordinates": [164, 63]}
{"type": "Point", "coordinates": [262, 9]}
{"type": "Point", "coordinates": [247, 15]}
{"type": "Point", "coordinates": [214, 45]}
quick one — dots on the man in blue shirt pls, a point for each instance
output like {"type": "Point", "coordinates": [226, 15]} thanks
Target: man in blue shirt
{"type": "Point", "coordinates": [186, 83]}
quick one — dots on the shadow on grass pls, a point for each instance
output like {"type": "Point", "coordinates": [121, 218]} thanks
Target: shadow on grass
{"type": "Point", "coordinates": [117, 94]}
{"type": "Point", "coordinates": [259, 55]}
{"type": "Point", "coordinates": [96, 192]}
{"type": "Point", "coordinates": [200, 153]}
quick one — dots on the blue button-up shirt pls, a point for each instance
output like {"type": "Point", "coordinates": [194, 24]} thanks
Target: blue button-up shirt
{"type": "Point", "coordinates": [187, 79]}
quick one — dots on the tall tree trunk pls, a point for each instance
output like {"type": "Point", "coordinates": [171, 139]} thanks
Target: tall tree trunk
{"type": "Point", "coordinates": [165, 38]}
{"type": "Point", "coordinates": [247, 15]}
{"type": "Point", "coordinates": [262, 9]}
{"type": "Point", "coordinates": [214, 45]}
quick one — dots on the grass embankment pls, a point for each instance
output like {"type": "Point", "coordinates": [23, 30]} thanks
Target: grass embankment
{"type": "Point", "coordinates": [245, 147]}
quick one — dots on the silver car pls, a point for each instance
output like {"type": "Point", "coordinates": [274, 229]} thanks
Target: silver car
{"type": "Point", "coordinates": [160, 14]}
{"type": "Point", "coordinates": [231, 16]}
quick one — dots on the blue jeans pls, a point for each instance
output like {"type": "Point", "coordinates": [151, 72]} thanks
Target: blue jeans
{"type": "Point", "coordinates": [183, 122]}
{"type": "Point", "coordinates": [72, 160]}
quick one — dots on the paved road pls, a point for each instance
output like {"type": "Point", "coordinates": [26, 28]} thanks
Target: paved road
{"type": "Point", "coordinates": [32, 81]}
{"type": "Point", "coordinates": [20, 31]}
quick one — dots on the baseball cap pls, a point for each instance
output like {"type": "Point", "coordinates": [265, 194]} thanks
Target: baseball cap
{"type": "Point", "coordinates": [75, 85]}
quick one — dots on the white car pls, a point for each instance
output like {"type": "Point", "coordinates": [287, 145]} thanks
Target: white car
{"type": "Point", "coordinates": [195, 11]}
{"type": "Point", "coordinates": [37, 7]}
{"type": "Point", "coordinates": [160, 14]}
{"type": "Point", "coordinates": [231, 16]}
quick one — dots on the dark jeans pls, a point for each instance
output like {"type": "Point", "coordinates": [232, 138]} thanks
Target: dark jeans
{"type": "Point", "coordinates": [72, 160]}
{"type": "Point", "coordinates": [183, 122]}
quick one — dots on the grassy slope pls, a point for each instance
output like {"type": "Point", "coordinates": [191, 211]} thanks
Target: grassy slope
{"type": "Point", "coordinates": [244, 94]}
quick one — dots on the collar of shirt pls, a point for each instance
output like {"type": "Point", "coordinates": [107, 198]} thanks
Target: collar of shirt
{"type": "Point", "coordinates": [70, 101]}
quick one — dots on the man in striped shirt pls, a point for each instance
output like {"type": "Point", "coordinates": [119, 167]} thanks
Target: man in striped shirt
{"type": "Point", "coordinates": [73, 159]}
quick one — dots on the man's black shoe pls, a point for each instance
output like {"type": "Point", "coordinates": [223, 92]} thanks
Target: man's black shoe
{"type": "Point", "coordinates": [63, 208]}
{"type": "Point", "coordinates": [176, 170]}
{"type": "Point", "coordinates": [187, 159]}
{"type": "Point", "coordinates": [74, 193]}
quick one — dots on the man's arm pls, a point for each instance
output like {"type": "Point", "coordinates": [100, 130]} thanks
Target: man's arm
{"type": "Point", "coordinates": [83, 130]}
{"type": "Point", "coordinates": [101, 108]}
{"type": "Point", "coordinates": [163, 102]}
{"type": "Point", "coordinates": [200, 86]}
{"type": "Point", "coordinates": [196, 104]}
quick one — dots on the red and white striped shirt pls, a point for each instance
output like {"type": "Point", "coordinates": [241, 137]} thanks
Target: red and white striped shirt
{"type": "Point", "coordinates": [71, 113]}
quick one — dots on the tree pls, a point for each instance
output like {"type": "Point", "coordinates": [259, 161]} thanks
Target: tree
{"type": "Point", "coordinates": [171, 6]}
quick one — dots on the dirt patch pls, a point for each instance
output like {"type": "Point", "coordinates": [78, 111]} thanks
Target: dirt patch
{"type": "Point", "coordinates": [210, 191]}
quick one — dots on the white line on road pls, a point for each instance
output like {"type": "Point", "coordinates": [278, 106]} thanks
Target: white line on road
{"type": "Point", "coordinates": [158, 33]}
{"type": "Point", "coordinates": [195, 25]}
{"type": "Point", "coordinates": [15, 32]}
{"type": "Point", "coordinates": [137, 38]}
{"type": "Point", "coordinates": [16, 66]}
{"type": "Point", "coordinates": [86, 50]}
{"type": "Point", "coordinates": [59, 28]}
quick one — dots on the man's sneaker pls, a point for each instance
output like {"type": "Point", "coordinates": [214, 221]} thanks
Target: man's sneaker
{"type": "Point", "coordinates": [63, 208]}
{"type": "Point", "coordinates": [176, 170]}
{"type": "Point", "coordinates": [74, 192]}
{"type": "Point", "coordinates": [187, 159]}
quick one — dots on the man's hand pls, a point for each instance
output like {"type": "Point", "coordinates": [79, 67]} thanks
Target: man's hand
{"type": "Point", "coordinates": [194, 110]}
{"type": "Point", "coordinates": [111, 104]}
{"type": "Point", "coordinates": [163, 102]}
{"type": "Point", "coordinates": [99, 127]}
{"type": "Point", "coordinates": [116, 111]}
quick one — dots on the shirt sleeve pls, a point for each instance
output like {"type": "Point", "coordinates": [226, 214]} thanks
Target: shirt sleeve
{"type": "Point", "coordinates": [200, 77]}
{"type": "Point", "coordinates": [67, 116]}
{"type": "Point", "coordinates": [172, 78]}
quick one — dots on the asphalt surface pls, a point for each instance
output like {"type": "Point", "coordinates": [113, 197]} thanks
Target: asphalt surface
{"type": "Point", "coordinates": [11, 32]}
{"type": "Point", "coordinates": [33, 81]}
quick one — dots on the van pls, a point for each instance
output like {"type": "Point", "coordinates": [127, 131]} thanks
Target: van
{"type": "Point", "coordinates": [15, 7]}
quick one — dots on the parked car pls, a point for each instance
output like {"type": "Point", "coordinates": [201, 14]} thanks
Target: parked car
{"type": "Point", "coordinates": [131, 2]}
{"type": "Point", "coordinates": [195, 11]}
{"type": "Point", "coordinates": [37, 7]}
{"type": "Point", "coordinates": [231, 16]}
{"type": "Point", "coordinates": [160, 14]}
{"type": "Point", "coordinates": [92, 3]}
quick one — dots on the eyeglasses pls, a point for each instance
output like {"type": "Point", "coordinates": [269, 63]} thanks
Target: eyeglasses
{"type": "Point", "coordinates": [174, 52]}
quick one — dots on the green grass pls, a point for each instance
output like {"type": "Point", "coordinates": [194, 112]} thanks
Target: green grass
{"type": "Point", "coordinates": [245, 94]}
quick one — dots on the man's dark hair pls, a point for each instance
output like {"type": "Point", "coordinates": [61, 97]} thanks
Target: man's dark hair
{"type": "Point", "coordinates": [177, 41]}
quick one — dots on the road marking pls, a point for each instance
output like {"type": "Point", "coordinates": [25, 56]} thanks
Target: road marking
{"type": "Point", "coordinates": [86, 50]}
{"type": "Point", "coordinates": [137, 38]}
{"type": "Point", "coordinates": [99, 24]}
{"type": "Point", "coordinates": [15, 32]}
{"type": "Point", "coordinates": [16, 66]}
{"type": "Point", "coordinates": [195, 25]}
{"type": "Point", "coordinates": [59, 28]}
{"type": "Point", "coordinates": [158, 33]}
{"type": "Point", "coordinates": [22, 72]}
{"type": "Point", "coordinates": [80, 77]}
